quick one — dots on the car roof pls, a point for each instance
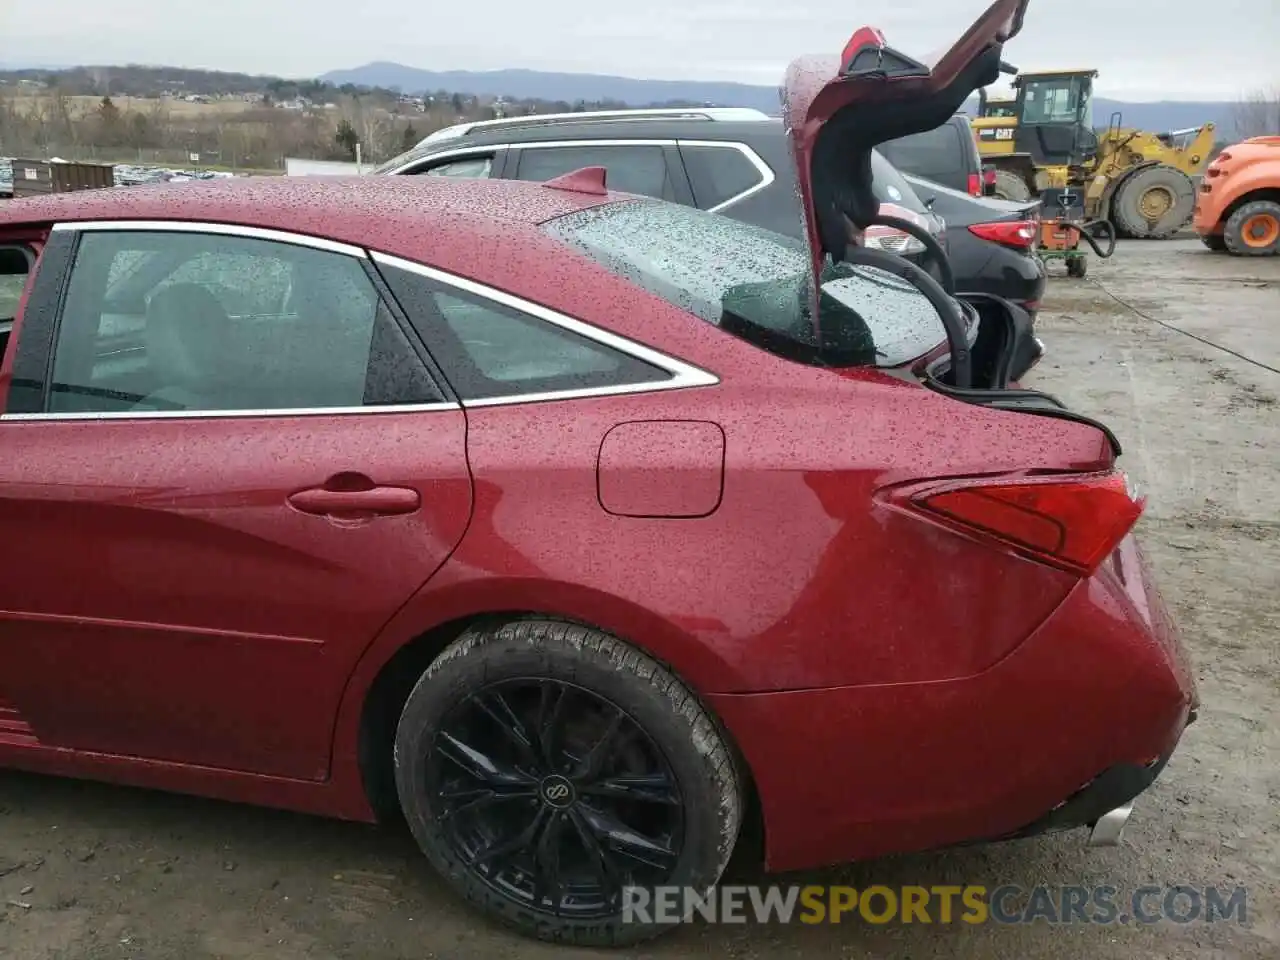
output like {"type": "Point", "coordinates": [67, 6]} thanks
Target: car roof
{"type": "Point", "coordinates": [637, 129]}
{"type": "Point", "coordinates": [397, 215]}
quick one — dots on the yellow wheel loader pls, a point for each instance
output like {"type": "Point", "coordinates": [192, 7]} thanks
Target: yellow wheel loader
{"type": "Point", "coordinates": [1141, 182]}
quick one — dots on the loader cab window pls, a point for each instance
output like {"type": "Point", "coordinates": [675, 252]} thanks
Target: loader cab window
{"type": "Point", "coordinates": [1057, 100]}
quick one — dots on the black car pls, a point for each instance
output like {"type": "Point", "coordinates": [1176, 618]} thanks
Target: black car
{"type": "Point", "coordinates": [990, 242]}
{"type": "Point", "coordinates": [725, 160]}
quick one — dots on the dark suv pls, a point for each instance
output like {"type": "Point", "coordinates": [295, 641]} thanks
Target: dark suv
{"type": "Point", "coordinates": [729, 160]}
{"type": "Point", "coordinates": [738, 162]}
{"type": "Point", "coordinates": [947, 155]}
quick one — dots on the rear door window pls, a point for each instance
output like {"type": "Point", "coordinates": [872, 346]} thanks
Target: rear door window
{"type": "Point", "coordinates": [720, 174]}
{"type": "Point", "coordinates": [939, 155]}
{"type": "Point", "coordinates": [632, 168]}
{"type": "Point", "coordinates": [210, 323]}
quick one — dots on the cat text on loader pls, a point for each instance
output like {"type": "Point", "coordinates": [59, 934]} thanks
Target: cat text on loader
{"type": "Point", "coordinates": [1140, 181]}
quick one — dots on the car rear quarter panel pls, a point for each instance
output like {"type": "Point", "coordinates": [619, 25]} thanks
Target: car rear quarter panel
{"type": "Point", "coordinates": [799, 578]}
{"type": "Point", "coordinates": [919, 766]}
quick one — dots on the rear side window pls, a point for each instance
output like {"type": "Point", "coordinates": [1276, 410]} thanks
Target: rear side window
{"type": "Point", "coordinates": [639, 168]}
{"type": "Point", "coordinates": [718, 174]}
{"type": "Point", "coordinates": [490, 350]}
{"type": "Point", "coordinates": [940, 154]}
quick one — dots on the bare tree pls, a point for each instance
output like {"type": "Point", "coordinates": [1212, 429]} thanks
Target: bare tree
{"type": "Point", "coordinates": [1258, 114]}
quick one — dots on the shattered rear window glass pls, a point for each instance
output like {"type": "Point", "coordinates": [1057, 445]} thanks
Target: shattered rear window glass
{"type": "Point", "coordinates": [756, 284]}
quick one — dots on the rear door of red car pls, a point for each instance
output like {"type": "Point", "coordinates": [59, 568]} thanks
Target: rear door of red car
{"type": "Point", "coordinates": [226, 464]}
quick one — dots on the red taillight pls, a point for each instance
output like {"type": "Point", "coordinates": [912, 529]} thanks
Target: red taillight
{"type": "Point", "coordinates": [975, 185]}
{"type": "Point", "coordinates": [862, 37]}
{"type": "Point", "coordinates": [989, 176]}
{"type": "Point", "coordinates": [1071, 523]}
{"type": "Point", "coordinates": [1020, 234]}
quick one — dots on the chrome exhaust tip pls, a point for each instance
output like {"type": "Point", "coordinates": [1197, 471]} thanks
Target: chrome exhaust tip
{"type": "Point", "coordinates": [1110, 827]}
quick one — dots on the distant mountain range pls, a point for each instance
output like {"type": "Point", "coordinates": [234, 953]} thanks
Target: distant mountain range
{"type": "Point", "coordinates": [570, 87]}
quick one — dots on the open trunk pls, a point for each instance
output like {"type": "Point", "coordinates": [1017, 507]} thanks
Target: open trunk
{"type": "Point", "coordinates": [837, 110]}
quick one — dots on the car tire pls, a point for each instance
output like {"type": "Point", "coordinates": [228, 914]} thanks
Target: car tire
{"type": "Point", "coordinates": [666, 787]}
{"type": "Point", "coordinates": [1010, 186]}
{"type": "Point", "coordinates": [1161, 190]}
{"type": "Point", "coordinates": [1214, 242]}
{"type": "Point", "coordinates": [1254, 230]}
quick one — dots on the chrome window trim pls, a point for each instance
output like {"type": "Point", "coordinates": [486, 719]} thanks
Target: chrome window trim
{"type": "Point", "coordinates": [219, 229]}
{"type": "Point", "coordinates": [235, 414]}
{"type": "Point", "coordinates": [683, 375]}
{"type": "Point", "coordinates": [767, 175]}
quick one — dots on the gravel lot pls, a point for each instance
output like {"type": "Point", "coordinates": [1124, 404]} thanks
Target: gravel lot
{"type": "Point", "coordinates": [111, 874]}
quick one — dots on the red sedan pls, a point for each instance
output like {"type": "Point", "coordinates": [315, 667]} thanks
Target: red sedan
{"type": "Point", "coordinates": [569, 524]}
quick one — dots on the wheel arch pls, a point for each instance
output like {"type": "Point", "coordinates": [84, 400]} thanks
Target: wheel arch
{"type": "Point", "coordinates": [389, 669]}
{"type": "Point", "coordinates": [1252, 196]}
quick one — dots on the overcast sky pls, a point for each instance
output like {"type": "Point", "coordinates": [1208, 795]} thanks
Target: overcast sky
{"type": "Point", "coordinates": [1145, 49]}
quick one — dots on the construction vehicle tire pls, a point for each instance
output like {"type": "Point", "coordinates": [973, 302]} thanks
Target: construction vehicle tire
{"type": "Point", "coordinates": [1077, 267]}
{"type": "Point", "coordinates": [1155, 202]}
{"type": "Point", "coordinates": [1214, 242]}
{"type": "Point", "coordinates": [1254, 230]}
{"type": "Point", "coordinates": [1010, 186]}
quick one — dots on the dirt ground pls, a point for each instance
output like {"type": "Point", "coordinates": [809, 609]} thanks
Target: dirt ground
{"type": "Point", "coordinates": [101, 873]}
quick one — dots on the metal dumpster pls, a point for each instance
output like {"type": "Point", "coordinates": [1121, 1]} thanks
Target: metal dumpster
{"type": "Point", "coordinates": [34, 177]}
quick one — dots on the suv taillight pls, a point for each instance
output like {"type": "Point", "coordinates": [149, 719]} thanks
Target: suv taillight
{"type": "Point", "coordinates": [1070, 522]}
{"type": "Point", "coordinates": [1019, 234]}
{"type": "Point", "coordinates": [975, 185]}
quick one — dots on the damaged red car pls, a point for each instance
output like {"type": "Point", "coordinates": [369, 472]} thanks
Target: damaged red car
{"type": "Point", "coordinates": [584, 531]}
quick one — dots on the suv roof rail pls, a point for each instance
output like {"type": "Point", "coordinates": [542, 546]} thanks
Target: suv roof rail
{"type": "Point", "coordinates": [651, 113]}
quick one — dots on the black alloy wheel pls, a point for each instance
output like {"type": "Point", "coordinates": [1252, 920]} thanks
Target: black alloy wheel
{"type": "Point", "coordinates": [555, 775]}
{"type": "Point", "coordinates": [555, 796]}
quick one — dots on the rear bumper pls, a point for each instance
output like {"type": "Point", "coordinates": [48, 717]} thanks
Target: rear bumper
{"type": "Point", "coordinates": [1109, 795]}
{"type": "Point", "coordinates": [1028, 745]}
